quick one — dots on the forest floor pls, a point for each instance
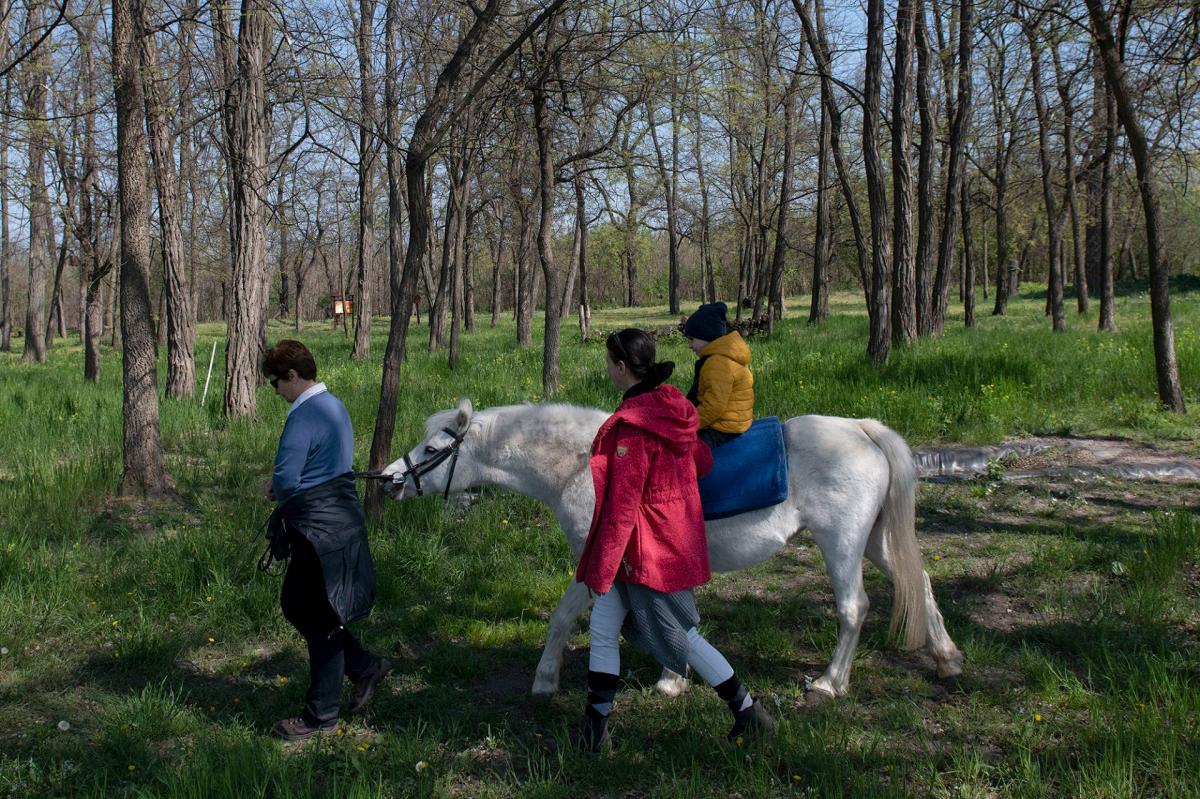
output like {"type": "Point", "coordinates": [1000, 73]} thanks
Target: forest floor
{"type": "Point", "coordinates": [141, 654]}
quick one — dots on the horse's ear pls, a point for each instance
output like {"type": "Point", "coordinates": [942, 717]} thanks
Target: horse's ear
{"type": "Point", "coordinates": [465, 411]}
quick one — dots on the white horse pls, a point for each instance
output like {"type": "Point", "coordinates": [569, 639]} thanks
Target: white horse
{"type": "Point", "coordinates": [851, 482]}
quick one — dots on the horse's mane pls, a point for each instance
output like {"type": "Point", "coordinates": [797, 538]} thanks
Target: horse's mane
{"type": "Point", "coordinates": [556, 415]}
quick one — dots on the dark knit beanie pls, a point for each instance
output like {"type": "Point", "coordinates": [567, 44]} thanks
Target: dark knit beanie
{"type": "Point", "coordinates": [707, 323]}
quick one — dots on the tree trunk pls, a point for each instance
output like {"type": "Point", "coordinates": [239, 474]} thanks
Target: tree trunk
{"type": "Point", "coordinates": [1054, 292]}
{"type": "Point", "coordinates": [544, 130]}
{"type": "Point", "coordinates": [467, 250]}
{"type": "Point", "coordinates": [775, 293]}
{"type": "Point", "coordinates": [1104, 243]}
{"type": "Point", "coordinates": [498, 250]}
{"type": "Point", "coordinates": [925, 211]}
{"type": "Point", "coordinates": [1166, 367]}
{"type": "Point", "coordinates": [5, 130]}
{"type": "Point", "coordinates": [246, 129]}
{"type": "Point", "coordinates": [180, 322]}
{"type": "Point", "coordinates": [904, 298]}
{"type": "Point", "coordinates": [34, 73]}
{"type": "Point", "coordinates": [1064, 96]}
{"type": "Point", "coordinates": [968, 273]}
{"type": "Point", "coordinates": [707, 277]}
{"type": "Point", "coordinates": [54, 322]}
{"type": "Point", "coordinates": [145, 472]}
{"type": "Point", "coordinates": [366, 180]}
{"type": "Point", "coordinates": [955, 169]}
{"type": "Point", "coordinates": [879, 305]}
{"type": "Point", "coordinates": [823, 240]}
{"type": "Point", "coordinates": [581, 253]}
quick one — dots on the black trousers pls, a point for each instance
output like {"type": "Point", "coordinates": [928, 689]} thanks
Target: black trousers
{"type": "Point", "coordinates": [333, 651]}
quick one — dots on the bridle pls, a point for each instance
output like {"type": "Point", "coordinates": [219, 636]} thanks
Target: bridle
{"type": "Point", "coordinates": [417, 470]}
{"type": "Point", "coordinates": [449, 452]}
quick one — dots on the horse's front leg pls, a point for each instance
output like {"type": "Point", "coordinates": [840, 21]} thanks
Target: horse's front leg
{"type": "Point", "coordinates": [574, 602]}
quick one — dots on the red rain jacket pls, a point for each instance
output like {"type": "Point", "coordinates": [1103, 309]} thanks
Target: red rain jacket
{"type": "Point", "coordinates": [648, 527]}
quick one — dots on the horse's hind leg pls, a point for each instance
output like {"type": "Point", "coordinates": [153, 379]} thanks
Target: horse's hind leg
{"type": "Point", "coordinates": [843, 563]}
{"type": "Point", "coordinates": [574, 602]}
{"type": "Point", "coordinates": [946, 656]}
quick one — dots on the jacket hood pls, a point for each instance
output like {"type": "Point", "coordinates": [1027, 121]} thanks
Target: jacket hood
{"type": "Point", "coordinates": [731, 346]}
{"type": "Point", "coordinates": [663, 412]}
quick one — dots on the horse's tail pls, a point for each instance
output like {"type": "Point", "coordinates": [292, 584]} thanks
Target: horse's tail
{"type": "Point", "coordinates": [897, 524]}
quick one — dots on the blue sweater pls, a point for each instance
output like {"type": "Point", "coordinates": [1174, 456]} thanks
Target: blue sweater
{"type": "Point", "coordinates": [317, 445]}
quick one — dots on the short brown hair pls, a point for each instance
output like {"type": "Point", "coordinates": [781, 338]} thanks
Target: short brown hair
{"type": "Point", "coordinates": [289, 354]}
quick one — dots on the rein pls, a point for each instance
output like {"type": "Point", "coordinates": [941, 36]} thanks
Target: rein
{"type": "Point", "coordinates": [417, 470]}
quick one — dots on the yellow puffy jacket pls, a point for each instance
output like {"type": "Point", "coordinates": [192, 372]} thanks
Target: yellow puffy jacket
{"type": "Point", "coordinates": [725, 385]}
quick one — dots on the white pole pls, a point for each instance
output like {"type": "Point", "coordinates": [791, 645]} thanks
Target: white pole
{"type": "Point", "coordinates": [209, 375]}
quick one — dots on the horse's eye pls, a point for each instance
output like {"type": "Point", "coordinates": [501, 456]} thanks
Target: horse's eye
{"type": "Point", "coordinates": [431, 450]}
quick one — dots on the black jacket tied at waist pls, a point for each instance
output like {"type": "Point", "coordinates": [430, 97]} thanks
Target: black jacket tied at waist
{"type": "Point", "coordinates": [330, 517]}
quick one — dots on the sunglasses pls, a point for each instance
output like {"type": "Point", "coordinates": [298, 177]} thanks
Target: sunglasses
{"type": "Point", "coordinates": [614, 341]}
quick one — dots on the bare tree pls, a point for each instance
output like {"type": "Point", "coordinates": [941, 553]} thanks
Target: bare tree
{"type": "Point", "coordinates": [428, 131]}
{"type": "Point", "coordinates": [1166, 366]}
{"type": "Point", "coordinates": [925, 180]}
{"type": "Point", "coordinates": [246, 123]}
{"type": "Point", "coordinates": [955, 169]}
{"type": "Point", "coordinates": [181, 330]}
{"type": "Point", "coordinates": [145, 472]}
{"type": "Point", "coordinates": [1063, 83]}
{"type": "Point", "coordinates": [5, 133]}
{"type": "Point", "coordinates": [35, 73]}
{"type": "Point", "coordinates": [878, 303]}
{"type": "Point", "coordinates": [904, 286]}
{"type": "Point", "coordinates": [1053, 218]}
{"type": "Point", "coordinates": [368, 151]}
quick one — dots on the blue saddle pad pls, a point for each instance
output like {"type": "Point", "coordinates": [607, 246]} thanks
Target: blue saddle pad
{"type": "Point", "coordinates": [748, 473]}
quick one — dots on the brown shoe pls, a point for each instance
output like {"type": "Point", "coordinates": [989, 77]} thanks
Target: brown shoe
{"type": "Point", "coordinates": [366, 685]}
{"type": "Point", "coordinates": [297, 729]}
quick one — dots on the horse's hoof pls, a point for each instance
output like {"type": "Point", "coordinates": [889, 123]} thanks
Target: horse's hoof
{"type": "Point", "coordinates": [815, 696]}
{"type": "Point", "coordinates": [668, 686]}
{"type": "Point", "coordinates": [949, 670]}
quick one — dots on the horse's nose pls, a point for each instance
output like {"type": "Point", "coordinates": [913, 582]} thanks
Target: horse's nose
{"type": "Point", "coordinates": [394, 488]}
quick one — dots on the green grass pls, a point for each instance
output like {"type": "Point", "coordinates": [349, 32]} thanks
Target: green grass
{"type": "Point", "coordinates": [148, 630]}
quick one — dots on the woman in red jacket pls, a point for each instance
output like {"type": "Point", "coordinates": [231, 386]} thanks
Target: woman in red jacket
{"type": "Point", "coordinates": [646, 549]}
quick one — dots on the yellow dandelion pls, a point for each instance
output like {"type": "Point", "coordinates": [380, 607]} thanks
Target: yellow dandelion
{"type": "Point", "coordinates": [208, 599]}
{"type": "Point", "coordinates": [339, 729]}
{"type": "Point", "coordinates": [115, 622]}
{"type": "Point", "coordinates": [282, 680]}
{"type": "Point", "coordinates": [361, 748]}
{"type": "Point", "coordinates": [212, 640]}
{"type": "Point", "coordinates": [128, 593]}
{"type": "Point", "coordinates": [504, 521]}
{"type": "Point", "coordinates": [796, 778]}
{"type": "Point", "coordinates": [212, 708]}
{"type": "Point", "coordinates": [937, 557]}
{"type": "Point", "coordinates": [1037, 716]}
{"type": "Point", "coordinates": [131, 767]}
{"type": "Point", "coordinates": [237, 701]}
{"type": "Point", "coordinates": [740, 740]}
{"type": "Point", "coordinates": [421, 766]}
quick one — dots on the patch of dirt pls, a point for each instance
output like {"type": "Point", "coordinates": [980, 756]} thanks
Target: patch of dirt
{"type": "Point", "coordinates": [1063, 451]}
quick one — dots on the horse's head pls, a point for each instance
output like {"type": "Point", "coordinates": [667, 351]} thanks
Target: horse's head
{"type": "Point", "coordinates": [431, 466]}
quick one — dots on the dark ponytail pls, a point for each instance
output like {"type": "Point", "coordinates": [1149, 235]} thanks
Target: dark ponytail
{"type": "Point", "coordinates": [635, 348]}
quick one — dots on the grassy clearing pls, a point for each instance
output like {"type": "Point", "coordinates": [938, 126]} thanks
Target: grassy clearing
{"type": "Point", "coordinates": [149, 633]}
